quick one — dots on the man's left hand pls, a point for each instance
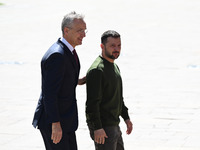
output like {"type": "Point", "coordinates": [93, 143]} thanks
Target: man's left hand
{"type": "Point", "coordinates": [129, 126]}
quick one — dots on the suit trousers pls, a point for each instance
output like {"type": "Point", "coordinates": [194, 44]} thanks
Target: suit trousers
{"type": "Point", "coordinates": [68, 141]}
{"type": "Point", "coordinates": [114, 140]}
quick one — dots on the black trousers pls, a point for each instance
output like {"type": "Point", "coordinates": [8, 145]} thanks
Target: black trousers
{"type": "Point", "coordinates": [68, 141]}
{"type": "Point", "coordinates": [114, 140]}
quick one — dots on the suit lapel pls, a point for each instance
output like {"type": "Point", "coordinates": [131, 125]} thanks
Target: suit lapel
{"type": "Point", "coordinates": [70, 55]}
{"type": "Point", "coordinates": [78, 62]}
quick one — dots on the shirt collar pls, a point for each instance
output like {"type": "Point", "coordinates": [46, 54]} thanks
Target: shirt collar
{"type": "Point", "coordinates": [67, 44]}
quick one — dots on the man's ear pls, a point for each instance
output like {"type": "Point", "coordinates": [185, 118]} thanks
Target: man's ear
{"type": "Point", "coordinates": [102, 46]}
{"type": "Point", "coordinates": [66, 30]}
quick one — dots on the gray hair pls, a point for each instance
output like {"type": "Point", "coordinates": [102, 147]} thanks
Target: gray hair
{"type": "Point", "coordinates": [69, 19]}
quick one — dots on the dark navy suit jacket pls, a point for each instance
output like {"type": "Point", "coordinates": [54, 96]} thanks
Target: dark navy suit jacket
{"type": "Point", "coordinates": [57, 101]}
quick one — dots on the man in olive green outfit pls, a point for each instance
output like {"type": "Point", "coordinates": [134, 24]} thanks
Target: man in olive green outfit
{"type": "Point", "coordinates": [105, 102]}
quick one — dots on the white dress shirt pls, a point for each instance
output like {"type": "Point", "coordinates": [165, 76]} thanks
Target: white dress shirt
{"type": "Point", "coordinates": [67, 44]}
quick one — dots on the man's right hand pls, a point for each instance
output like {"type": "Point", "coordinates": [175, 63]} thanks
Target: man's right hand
{"type": "Point", "coordinates": [56, 132]}
{"type": "Point", "coordinates": [99, 136]}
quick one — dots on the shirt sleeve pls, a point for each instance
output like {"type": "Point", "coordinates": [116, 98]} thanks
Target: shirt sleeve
{"type": "Point", "coordinates": [124, 113]}
{"type": "Point", "coordinates": [94, 97]}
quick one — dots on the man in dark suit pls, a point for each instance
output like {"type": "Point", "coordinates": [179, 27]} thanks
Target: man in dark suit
{"type": "Point", "coordinates": [56, 113]}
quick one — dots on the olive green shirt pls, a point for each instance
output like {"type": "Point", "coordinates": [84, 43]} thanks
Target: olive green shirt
{"type": "Point", "coordinates": [104, 102]}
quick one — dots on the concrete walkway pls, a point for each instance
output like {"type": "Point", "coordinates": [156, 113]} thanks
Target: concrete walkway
{"type": "Point", "coordinates": [160, 66]}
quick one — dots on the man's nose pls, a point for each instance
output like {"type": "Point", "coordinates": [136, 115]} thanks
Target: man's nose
{"type": "Point", "coordinates": [117, 49]}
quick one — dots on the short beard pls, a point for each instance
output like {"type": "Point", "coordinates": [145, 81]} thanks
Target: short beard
{"type": "Point", "coordinates": [111, 56]}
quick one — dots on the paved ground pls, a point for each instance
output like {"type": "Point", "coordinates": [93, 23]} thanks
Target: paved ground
{"type": "Point", "coordinates": [160, 65]}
